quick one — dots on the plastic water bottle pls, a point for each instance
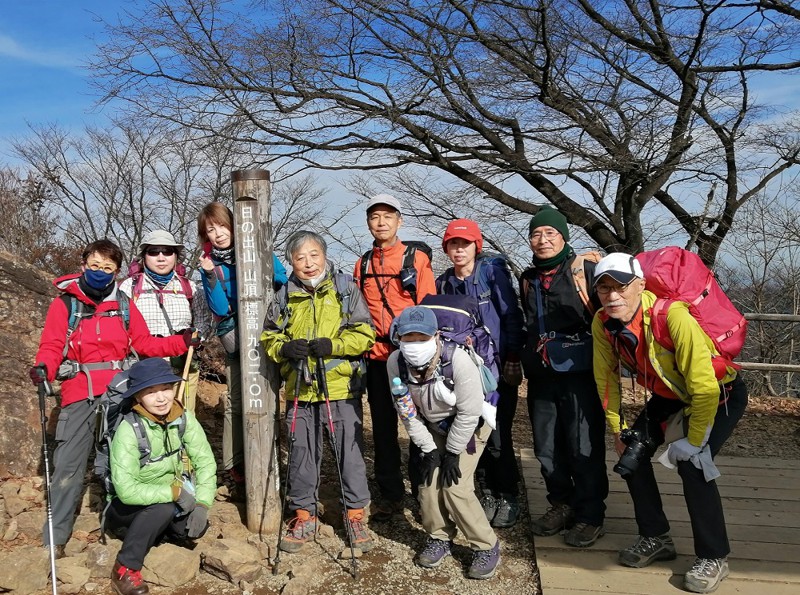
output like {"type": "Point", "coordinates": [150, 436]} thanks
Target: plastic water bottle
{"type": "Point", "coordinates": [402, 398]}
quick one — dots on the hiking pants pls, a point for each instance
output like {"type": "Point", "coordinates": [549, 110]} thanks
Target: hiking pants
{"type": "Point", "coordinates": [146, 524]}
{"type": "Point", "coordinates": [445, 511]}
{"type": "Point", "coordinates": [74, 441]}
{"type": "Point", "coordinates": [304, 468]}
{"type": "Point", "coordinates": [702, 497]}
{"type": "Point", "coordinates": [232, 422]}
{"type": "Point", "coordinates": [497, 468]}
{"type": "Point", "coordinates": [569, 441]}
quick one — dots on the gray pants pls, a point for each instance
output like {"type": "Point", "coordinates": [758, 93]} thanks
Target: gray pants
{"type": "Point", "coordinates": [232, 422]}
{"type": "Point", "coordinates": [311, 424]}
{"type": "Point", "coordinates": [74, 441]}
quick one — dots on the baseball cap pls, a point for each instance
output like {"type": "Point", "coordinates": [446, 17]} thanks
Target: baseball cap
{"type": "Point", "coordinates": [621, 267]}
{"type": "Point", "coordinates": [416, 319]}
{"type": "Point", "coordinates": [384, 199]}
{"type": "Point", "coordinates": [465, 229]}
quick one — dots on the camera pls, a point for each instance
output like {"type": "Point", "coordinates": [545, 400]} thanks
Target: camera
{"type": "Point", "coordinates": [636, 450]}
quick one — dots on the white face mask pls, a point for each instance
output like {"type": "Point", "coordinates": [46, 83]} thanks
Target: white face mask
{"type": "Point", "coordinates": [314, 281]}
{"type": "Point", "coordinates": [418, 353]}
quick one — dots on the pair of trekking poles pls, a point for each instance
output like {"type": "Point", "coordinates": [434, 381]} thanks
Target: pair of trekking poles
{"type": "Point", "coordinates": [322, 381]}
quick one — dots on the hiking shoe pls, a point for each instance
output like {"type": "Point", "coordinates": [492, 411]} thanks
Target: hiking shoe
{"type": "Point", "coordinates": [484, 563]}
{"type": "Point", "coordinates": [583, 534]}
{"type": "Point", "coordinates": [706, 575]}
{"type": "Point", "coordinates": [299, 530]}
{"type": "Point", "coordinates": [647, 550]}
{"type": "Point", "coordinates": [127, 582]}
{"type": "Point", "coordinates": [434, 553]}
{"type": "Point", "coordinates": [358, 530]}
{"type": "Point", "coordinates": [489, 505]}
{"type": "Point", "coordinates": [507, 511]}
{"type": "Point", "coordinates": [59, 551]}
{"type": "Point", "coordinates": [557, 517]}
{"type": "Point", "coordinates": [385, 510]}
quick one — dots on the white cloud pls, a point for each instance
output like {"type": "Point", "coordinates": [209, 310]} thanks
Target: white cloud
{"type": "Point", "coordinates": [10, 48]}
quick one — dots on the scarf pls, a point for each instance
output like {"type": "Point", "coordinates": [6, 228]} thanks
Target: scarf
{"type": "Point", "coordinates": [96, 295]}
{"type": "Point", "coordinates": [159, 280]}
{"type": "Point", "coordinates": [553, 262]}
{"type": "Point", "coordinates": [225, 255]}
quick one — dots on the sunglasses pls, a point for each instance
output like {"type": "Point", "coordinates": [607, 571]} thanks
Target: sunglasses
{"type": "Point", "coordinates": [166, 251]}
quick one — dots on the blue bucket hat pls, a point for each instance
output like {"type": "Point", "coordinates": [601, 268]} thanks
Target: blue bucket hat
{"type": "Point", "coordinates": [149, 372]}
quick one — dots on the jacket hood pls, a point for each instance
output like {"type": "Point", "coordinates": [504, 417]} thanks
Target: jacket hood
{"type": "Point", "coordinates": [69, 284]}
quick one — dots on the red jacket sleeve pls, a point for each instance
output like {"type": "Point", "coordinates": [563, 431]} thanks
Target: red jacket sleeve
{"type": "Point", "coordinates": [145, 344]}
{"type": "Point", "coordinates": [54, 337]}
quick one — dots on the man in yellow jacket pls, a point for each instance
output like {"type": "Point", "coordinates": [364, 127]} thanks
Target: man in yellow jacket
{"type": "Point", "coordinates": [692, 391]}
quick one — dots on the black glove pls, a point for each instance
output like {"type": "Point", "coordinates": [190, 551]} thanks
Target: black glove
{"type": "Point", "coordinates": [197, 523]}
{"type": "Point", "coordinates": [295, 349]}
{"type": "Point", "coordinates": [191, 337]}
{"type": "Point", "coordinates": [428, 462]}
{"type": "Point", "coordinates": [185, 501]}
{"type": "Point", "coordinates": [321, 347]}
{"type": "Point", "coordinates": [38, 374]}
{"type": "Point", "coordinates": [450, 473]}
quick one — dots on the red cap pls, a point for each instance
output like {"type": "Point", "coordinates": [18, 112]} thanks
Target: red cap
{"type": "Point", "coordinates": [465, 229]}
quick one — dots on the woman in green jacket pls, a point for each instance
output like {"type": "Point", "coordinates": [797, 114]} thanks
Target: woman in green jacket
{"type": "Point", "coordinates": [172, 491]}
{"type": "Point", "coordinates": [321, 316]}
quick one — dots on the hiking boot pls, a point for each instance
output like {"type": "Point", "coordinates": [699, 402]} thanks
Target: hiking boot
{"type": "Point", "coordinates": [583, 534]}
{"type": "Point", "coordinates": [358, 530]}
{"type": "Point", "coordinates": [434, 553]}
{"type": "Point", "coordinates": [706, 575]}
{"type": "Point", "coordinates": [507, 511]}
{"type": "Point", "coordinates": [647, 550]}
{"type": "Point", "coordinates": [557, 517]}
{"type": "Point", "coordinates": [489, 505]}
{"type": "Point", "coordinates": [59, 551]}
{"type": "Point", "coordinates": [385, 510]}
{"type": "Point", "coordinates": [238, 489]}
{"type": "Point", "coordinates": [298, 531]}
{"type": "Point", "coordinates": [484, 563]}
{"type": "Point", "coordinates": [127, 582]}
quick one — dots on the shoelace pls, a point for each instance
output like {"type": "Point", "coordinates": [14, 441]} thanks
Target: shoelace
{"type": "Point", "coordinates": [553, 512]}
{"type": "Point", "coordinates": [298, 527]}
{"type": "Point", "coordinates": [645, 545]}
{"type": "Point", "coordinates": [482, 558]}
{"type": "Point", "coordinates": [579, 527]}
{"type": "Point", "coordinates": [437, 546]}
{"type": "Point", "coordinates": [706, 567]}
{"type": "Point", "coordinates": [135, 576]}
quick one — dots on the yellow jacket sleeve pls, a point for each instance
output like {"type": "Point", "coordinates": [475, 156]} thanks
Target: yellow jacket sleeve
{"type": "Point", "coordinates": [606, 374]}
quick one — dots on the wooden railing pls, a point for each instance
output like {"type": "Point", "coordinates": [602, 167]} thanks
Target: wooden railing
{"type": "Point", "coordinates": [769, 367]}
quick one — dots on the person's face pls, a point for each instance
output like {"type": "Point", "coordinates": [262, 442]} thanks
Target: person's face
{"type": "Point", "coordinates": [157, 399]}
{"type": "Point", "coordinates": [160, 259]}
{"type": "Point", "coordinates": [546, 242]}
{"type": "Point", "coordinates": [461, 252]}
{"type": "Point", "coordinates": [308, 261]}
{"type": "Point", "coordinates": [97, 262]}
{"type": "Point", "coordinates": [383, 222]}
{"type": "Point", "coordinates": [219, 235]}
{"type": "Point", "coordinates": [415, 337]}
{"type": "Point", "coordinates": [620, 301]}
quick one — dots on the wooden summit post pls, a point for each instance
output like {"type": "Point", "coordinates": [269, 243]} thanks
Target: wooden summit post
{"type": "Point", "coordinates": [260, 379]}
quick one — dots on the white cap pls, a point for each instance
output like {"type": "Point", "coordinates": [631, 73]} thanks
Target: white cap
{"type": "Point", "coordinates": [621, 267]}
{"type": "Point", "coordinates": [384, 199]}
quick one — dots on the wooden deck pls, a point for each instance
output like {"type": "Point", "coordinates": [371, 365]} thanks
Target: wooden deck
{"type": "Point", "coordinates": [762, 509]}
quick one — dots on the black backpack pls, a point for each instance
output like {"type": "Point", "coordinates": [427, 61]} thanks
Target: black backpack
{"type": "Point", "coordinates": [407, 274]}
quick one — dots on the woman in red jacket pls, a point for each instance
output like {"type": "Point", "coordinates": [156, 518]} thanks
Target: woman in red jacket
{"type": "Point", "coordinates": [91, 332]}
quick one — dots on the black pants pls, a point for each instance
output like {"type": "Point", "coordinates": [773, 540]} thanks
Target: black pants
{"type": "Point", "coordinates": [497, 468]}
{"type": "Point", "coordinates": [146, 524]}
{"type": "Point", "coordinates": [702, 497]}
{"type": "Point", "coordinates": [569, 441]}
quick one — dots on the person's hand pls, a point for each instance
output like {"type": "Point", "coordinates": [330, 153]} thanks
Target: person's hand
{"type": "Point", "coordinates": [38, 374]}
{"type": "Point", "coordinates": [295, 349]}
{"type": "Point", "coordinates": [682, 450]}
{"type": "Point", "coordinates": [512, 372]}
{"type": "Point", "coordinates": [206, 263]}
{"type": "Point", "coordinates": [429, 462]}
{"type": "Point", "coordinates": [185, 501]}
{"type": "Point", "coordinates": [197, 523]}
{"type": "Point", "coordinates": [619, 445]}
{"type": "Point", "coordinates": [191, 337]}
{"type": "Point", "coordinates": [321, 347]}
{"type": "Point", "coordinates": [450, 473]}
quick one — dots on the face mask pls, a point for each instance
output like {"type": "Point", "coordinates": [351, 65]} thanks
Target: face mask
{"type": "Point", "coordinates": [418, 353]}
{"type": "Point", "coordinates": [314, 281]}
{"type": "Point", "coordinates": [98, 279]}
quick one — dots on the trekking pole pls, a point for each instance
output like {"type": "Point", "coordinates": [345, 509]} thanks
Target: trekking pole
{"type": "Point", "coordinates": [323, 385]}
{"type": "Point", "coordinates": [289, 447]}
{"type": "Point", "coordinates": [45, 390]}
{"type": "Point", "coordinates": [185, 375]}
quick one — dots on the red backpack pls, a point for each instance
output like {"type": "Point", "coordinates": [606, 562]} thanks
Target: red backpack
{"type": "Point", "coordinates": [674, 274]}
{"type": "Point", "coordinates": [136, 273]}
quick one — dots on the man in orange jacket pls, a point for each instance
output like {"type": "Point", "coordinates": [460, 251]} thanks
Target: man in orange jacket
{"type": "Point", "coordinates": [392, 276]}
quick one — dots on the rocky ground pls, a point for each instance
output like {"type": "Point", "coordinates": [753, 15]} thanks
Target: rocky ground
{"type": "Point", "coordinates": [233, 561]}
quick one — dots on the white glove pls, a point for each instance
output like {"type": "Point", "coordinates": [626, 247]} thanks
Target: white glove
{"type": "Point", "coordinates": [682, 450]}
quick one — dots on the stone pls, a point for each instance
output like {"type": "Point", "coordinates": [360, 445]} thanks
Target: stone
{"type": "Point", "coordinates": [346, 555]}
{"type": "Point", "coordinates": [71, 571]}
{"type": "Point", "coordinates": [169, 565]}
{"type": "Point", "coordinates": [325, 530]}
{"type": "Point", "coordinates": [24, 570]}
{"type": "Point", "coordinates": [100, 558]}
{"type": "Point", "coordinates": [16, 505]}
{"type": "Point", "coordinates": [30, 522]}
{"type": "Point", "coordinates": [297, 586]}
{"type": "Point", "coordinates": [10, 488]}
{"type": "Point", "coordinates": [28, 492]}
{"type": "Point", "coordinates": [87, 523]}
{"type": "Point", "coordinates": [11, 531]}
{"type": "Point", "coordinates": [263, 547]}
{"type": "Point", "coordinates": [91, 587]}
{"type": "Point", "coordinates": [75, 547]}
{"type": "Point", "coordinates": [232, 560]}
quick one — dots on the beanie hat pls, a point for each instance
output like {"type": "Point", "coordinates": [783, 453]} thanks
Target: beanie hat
{"type": "Point", "coordinates": [549, 216]}
{"type": "Point", "coordinates": [466, 229]}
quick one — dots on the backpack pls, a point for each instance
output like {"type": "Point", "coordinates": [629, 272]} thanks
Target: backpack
{"type": "Point", "coordinates": [343, 284]}
{"type": "Point", "coordinates": [674, 274]}
{"type": "Point", "coordinates": [407, 274]}
{"type": "Point", "coordinates": [112, 409]}
{"type": "Point", "coordinates": [136, 273]}
{"type": "Point", "coordinates": [578, 270]}
{"type": "Point", "coordinates": [484, 258]}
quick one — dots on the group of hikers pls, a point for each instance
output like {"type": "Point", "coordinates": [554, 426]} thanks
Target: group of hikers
{"type": "Point", "coordinates": [577, 326]}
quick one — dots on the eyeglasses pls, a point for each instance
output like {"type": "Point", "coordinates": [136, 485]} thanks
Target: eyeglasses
{"type": "Point", "coordinates": [547, 235]}
{"type": "Point", "coordinates": [620, 289]}
{"type": "Point", "coordinates": [105, 268]}
{"type": "Point", "coordinates": [166, 251]}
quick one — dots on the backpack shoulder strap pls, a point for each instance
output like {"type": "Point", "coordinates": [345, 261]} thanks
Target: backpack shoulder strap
{"type": "Point", "coordinates": [76, 311]}
{"type": "Point", "coordinates": [579, 277]}
{"type": "Point", "coordinates": [409, 256]}
{"type": "Point", "coordinates": [142, 442]}
{"type": "Point", "coordinates": [658, 323]}
{"type": "Point", "coordinates": [137, 282]}
{"type": "Point", "coordinates": [124, 304]}
{"type": "Point", "coordinates": [343, 283]}
{"type": "Point", "coordinates": [365, 258]}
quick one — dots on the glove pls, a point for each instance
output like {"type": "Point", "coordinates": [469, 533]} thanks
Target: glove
{"type": "Point", "coordinates": [321, 347]}
{"type": "Point", "coordinates": [682, 450]}
{"type": "Point", "coordinates": [295, 349]}
{"type": "Point", "coordinates": [185, 501]}
{"type": "Point", "coordinates": [197, 523]}
{"type": "Point", "coordinates": [191, 337]}
{"type": "Point", "coordinates": [428, 462]}
{"type": "Point", "coordinates": [512, 373]}
{"type": "Point", "coordinates": [38, 374]}
{"type": "Point", "coordinates": [450, 473]}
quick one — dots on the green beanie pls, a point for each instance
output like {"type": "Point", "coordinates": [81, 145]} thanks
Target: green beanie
{"type": "Point", "coordinates": [549, 216]}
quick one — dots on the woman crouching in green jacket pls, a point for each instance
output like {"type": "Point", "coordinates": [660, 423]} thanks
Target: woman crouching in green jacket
{"type": "Point", "coordinates": [321, 316]}
{"type": "Point", "coordinates": [161, 497]}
